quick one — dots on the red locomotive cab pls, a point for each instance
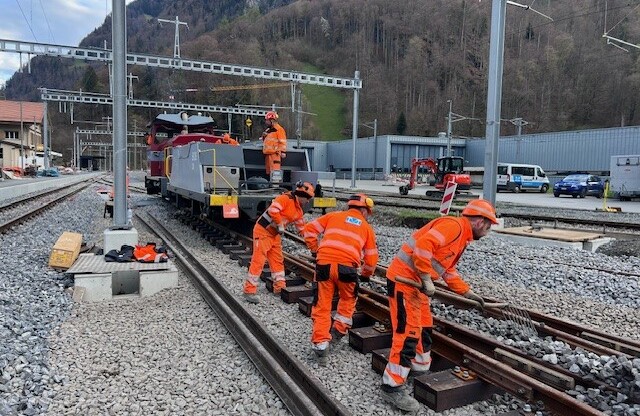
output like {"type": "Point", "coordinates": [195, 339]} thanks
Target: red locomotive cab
{"type": "Point", "coordinates": [169, 130]}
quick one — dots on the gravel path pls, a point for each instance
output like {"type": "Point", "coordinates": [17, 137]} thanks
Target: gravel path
{"type": "Point", "coordinates": [169, 354]}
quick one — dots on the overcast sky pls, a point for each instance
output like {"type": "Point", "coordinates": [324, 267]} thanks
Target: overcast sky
{"type": "Point", "coordinates": [62, 22]}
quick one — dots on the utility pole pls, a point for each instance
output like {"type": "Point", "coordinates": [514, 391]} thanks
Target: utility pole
{"type": "Point", "coordinates": [453, 118]}
{"type": "Point", "coordinates": [130, 77]}
{"type": "Point", "coordinates": [449, 128]}
{"type": "Point", "coordinates": [519, 122]}
{"type": "Point", "coordinates": [299, 116]}
{"type": "Point", "coordinates": [354, 133]}
{"type": "Point", "coordinates": [494, 95]}
{"type": "Point", "coordinates": [22, 153]}
{"type": "Point", "coordinates": [375, 144]}
{"type": "Point", "coordinates": [176, 45]}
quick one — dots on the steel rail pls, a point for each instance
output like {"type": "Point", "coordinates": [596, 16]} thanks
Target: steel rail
{"type": "Point", "coordinates": [475, 354]}
{"type": "Point", "coordinates": [301, 392]}
{"type": "Point", "coordinates": [574, 334]}
{"type": "Point", "coordinates": [547, 260]}
{"type": "Point", "coordinates": [33, 212]}
{"type": "Point", "coordinates": [521, 381]}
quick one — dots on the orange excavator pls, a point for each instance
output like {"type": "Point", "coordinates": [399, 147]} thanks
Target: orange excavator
{"type": "Point", "coordinates": [444, 170]}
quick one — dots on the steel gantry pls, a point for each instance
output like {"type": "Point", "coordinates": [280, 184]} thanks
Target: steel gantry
{"type": "Point", "coordinates": [94, 98]}
{"type": "Point", "coordinates": [105, 55]}
{"type": "Point", "coordinates": [78, 144]}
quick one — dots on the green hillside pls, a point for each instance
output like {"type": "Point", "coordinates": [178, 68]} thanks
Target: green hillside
{"type": "Point", "coordinates": [329, 105]}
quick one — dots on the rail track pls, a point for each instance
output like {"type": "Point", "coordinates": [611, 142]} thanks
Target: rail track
{"type": "Point", "coordinates": [605, 225]}
{"type": "Point", "coordinates": [525, 376]}
{"type": "Point", "coordinates": [47, 203]}
{"type": "Point", "coordinates": [301, 392]}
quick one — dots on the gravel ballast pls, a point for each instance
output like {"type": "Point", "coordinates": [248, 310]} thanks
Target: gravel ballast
{"type": "Point", "coordinates": [169, 354]}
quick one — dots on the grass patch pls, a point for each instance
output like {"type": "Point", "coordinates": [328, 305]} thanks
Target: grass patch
{"type": "Point", "coordinates": [329, 105]}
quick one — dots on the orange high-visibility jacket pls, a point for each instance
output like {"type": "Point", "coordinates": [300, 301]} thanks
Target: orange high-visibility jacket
{"type": "Point", "coordinates": [434, 250]}
{"type": "Point", "coordinates": [348, 238]}
{"type": "Point", "coordinates": [275, 140]}
{"type": "Point", "coordinates": [284, 209]}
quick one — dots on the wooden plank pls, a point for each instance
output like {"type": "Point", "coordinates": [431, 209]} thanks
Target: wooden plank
{"type": "Point", "coordinates": [551, 233]}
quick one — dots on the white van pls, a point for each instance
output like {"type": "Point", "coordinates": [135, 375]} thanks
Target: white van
{"type": "Point", "coordinates": [517, 177]}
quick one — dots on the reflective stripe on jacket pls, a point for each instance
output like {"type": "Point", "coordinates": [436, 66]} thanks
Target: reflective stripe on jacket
{"type": "Point", "coordinates": [275, 140]}
{"type": "Point", "coordinates": [284, 209]}
{"type": "Point", "coordinates": [434, 250]}
{"type": "Point", "coordinates": [347, 239]}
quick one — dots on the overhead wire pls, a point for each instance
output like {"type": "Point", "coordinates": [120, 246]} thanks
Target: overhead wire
{"type": "Point", "coordinates": [27, 20]}
{"type": "Point", "coordinates": [47, 20]}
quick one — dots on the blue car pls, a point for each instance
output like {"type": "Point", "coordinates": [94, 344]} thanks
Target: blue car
{"type": "Point", "coordinates": [579, 185]}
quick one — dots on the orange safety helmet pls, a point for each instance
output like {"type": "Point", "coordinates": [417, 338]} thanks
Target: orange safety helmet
{"type": "Point", "coordinates": [271, 115]}
{"type": "Point", "coordinates": [480, 208]}
{"type": "Point", "coordinates": [361, 201]}
{"type": "Point", "coordinates": [304, 190]}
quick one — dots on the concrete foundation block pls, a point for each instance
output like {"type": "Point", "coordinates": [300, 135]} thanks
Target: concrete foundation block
{"type": "Point", "coordinates": [114, 239]}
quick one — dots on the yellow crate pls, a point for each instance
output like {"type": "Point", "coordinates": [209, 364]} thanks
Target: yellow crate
{"type": "Point", "coordinates": [65, 251]}
{"type": "Point", "coordinates": [220, 200]}
{"type": "Point", "coordinates": [324, 202]}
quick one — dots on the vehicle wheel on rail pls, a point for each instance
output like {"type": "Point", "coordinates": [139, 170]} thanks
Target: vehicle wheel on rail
{"type": "Point", "coordinates": [404, 190]}
{"type": "Point", "coordinates": [600, 195]}
{"type": "Point", "coordinates": [583, 193]}
{"type": "Point", "coordinates": [556, 194]}
{"type": "Point", "coordinates": [544, 189]}
{"type": "Point", "coordinates": [256, 182]}
{"type": "Point", "coordinates": [516, 189]}
{"type": "Point", "coordinates": [574, 195]}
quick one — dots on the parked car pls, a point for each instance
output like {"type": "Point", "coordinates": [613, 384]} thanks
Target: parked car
{"type": "Point", "coordinates": [579, 185]}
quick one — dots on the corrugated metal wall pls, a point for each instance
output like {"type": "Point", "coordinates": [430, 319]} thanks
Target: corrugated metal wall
{"type": "Point", "coordinates": [583, 150]}
{"type": "Point", "coordinates": [390, 152]}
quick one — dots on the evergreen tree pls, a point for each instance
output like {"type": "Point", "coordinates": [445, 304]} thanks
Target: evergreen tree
{"type": "Point", "coordinates": [89, 81]}
{"type": "Point", "coordinates": [401, 125]}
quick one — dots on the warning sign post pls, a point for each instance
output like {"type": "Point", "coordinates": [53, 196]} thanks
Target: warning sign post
{"type": "Point", "coordinates": [447, 198]}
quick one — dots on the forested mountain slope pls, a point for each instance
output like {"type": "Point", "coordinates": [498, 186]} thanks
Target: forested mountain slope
{"type": "Point", "coordinates": [413, 56]}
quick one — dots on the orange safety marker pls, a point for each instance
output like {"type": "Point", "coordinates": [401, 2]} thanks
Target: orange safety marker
{"type": "Point", "coordinates": [447, 198]}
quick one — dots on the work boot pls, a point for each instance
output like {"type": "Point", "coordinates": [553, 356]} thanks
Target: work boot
{"type": "Point", "coordinates": [251, 298]}
{"type": "Point", "coordinates": [400, 398]}
{"type": "Point", "coordinates": [336, 336]}
{"type": "Point", "coordinates": [278, 286]}
{"type": "Point", "coordinates": [322, 357]}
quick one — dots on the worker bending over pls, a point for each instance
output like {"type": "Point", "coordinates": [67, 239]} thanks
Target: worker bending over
{"type": "Point", "coordinates": [431, 253]}
{"type": "Point", "coordinates": [347, 240]}
{"type": "Point", "coordinates": [267, 241]}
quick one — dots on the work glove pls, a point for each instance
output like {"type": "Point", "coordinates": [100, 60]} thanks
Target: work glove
{"type": "Point", "coordinates": [283, 155]}
{"type": "Point", "coordinates": [280, 229]}
{"type": "Point", "coordinates": [427, 286]}
{"type": "Point", "coordinates": [475, 297]}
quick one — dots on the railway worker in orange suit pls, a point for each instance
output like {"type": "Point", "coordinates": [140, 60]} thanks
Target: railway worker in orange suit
{"type": "Point", "coordinates": [274, 145]}
{"type": "Point", "coordinates": [347, 240]}
{"type": "Point", "coordinates": [431, 253]}
{"type": "Point", "coordinates": [227, 139]}
{"type": "Point", "coordinates": [267, 241]}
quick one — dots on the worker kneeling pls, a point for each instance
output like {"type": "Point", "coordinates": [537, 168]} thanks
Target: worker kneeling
{"type": "Point", "coordinates": [347, 240]}
{"type": "Point", "coordinates": [431, 253]}
{"type": "Point", "coordinates": [267, 237]}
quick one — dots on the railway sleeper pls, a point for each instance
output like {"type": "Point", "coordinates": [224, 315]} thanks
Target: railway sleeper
{"type": "Point", "coordinates": [289, 281]}
{"type": "Point", "coordinates": [441, 389]}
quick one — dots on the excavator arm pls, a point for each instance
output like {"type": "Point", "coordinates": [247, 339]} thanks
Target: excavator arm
{"type": "Point", "coordinates": [417, 163]}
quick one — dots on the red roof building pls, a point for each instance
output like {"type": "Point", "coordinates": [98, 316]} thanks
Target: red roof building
{"type": "Point", "coordinates": [20, 132]}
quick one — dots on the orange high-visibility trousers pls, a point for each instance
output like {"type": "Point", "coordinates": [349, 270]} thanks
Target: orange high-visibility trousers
{"type": "Point", "coordinates": [411, 322]}
{"type": "Point", "coordinates": [330, 277]}
{"type": "Point", "coordinates": [267, 246]}
{"type": "Point", "coordinates": [272, 162]}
